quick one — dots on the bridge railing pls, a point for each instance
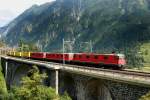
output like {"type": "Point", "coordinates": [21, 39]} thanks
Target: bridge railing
{"type": "Point", "coordinates": [130, 76]}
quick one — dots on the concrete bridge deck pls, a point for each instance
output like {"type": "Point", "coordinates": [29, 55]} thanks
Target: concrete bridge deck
{"type": "Point", "coordinates": [130, 77]}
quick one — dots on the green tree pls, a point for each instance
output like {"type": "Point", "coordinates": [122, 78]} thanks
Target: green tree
{"type": "Point", "coordinates": [2, 43]}
{"type": "Point", "coordinates": [65, 97]}
{"type": "Point", "coordinates": [145, 97]}
{"type": "Point", "coordinates": [3, 89]}
{"type": "Point", "coordinates": [32, 89]}
{"type": "Point", "coordinates": [27, 46]}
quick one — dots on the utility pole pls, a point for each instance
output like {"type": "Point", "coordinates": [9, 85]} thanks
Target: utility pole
{"type": "Point", "coordinates": [71, 43]}
{"type": "Point", "coordinates": [63, 52]}
{"type": "Point", "coordinates": [91, 47]}
{"type": "Point", "coordinates": [22, 47]}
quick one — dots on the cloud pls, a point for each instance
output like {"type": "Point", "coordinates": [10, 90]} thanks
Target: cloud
{"type": "Point", "coordinates": [18, 6]}
{"type": "Point", "coordinates": [6, 16]}
{"type": "Point", "coordinates": [9, 9]}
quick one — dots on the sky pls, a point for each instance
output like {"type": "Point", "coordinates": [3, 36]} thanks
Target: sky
{"type": "Point", "coordinates": [10, 9]}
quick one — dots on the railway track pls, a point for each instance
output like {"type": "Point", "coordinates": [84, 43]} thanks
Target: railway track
{"type": "Point", "coordinates": [115, 71]}
{"type": "Point", "coordinates": [139, 73]}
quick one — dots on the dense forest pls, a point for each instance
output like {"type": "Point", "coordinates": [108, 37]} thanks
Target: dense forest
{"type": "Point", "coordinates": [112, 25]}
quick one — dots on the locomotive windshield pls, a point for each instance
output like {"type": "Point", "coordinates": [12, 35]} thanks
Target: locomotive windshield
{"type": "Point", "coordinates": [121, 55]}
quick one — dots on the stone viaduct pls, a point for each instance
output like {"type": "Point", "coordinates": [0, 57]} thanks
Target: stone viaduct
{"type": "Point", "coordinates": [81, 83]}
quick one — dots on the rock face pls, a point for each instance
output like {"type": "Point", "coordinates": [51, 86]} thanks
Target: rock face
{"type": "Point", "coordinates": [111, 25]}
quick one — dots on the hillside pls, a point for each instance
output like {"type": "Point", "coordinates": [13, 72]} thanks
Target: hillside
{"type": "Point", "coordinates": [111, 25]}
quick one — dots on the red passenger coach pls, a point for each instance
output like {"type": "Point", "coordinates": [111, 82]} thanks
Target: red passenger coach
{"type": "Point", "coordinates": [38, 55]}
{"type": "Point", "coordinates": [54, 56]}
{"type": "Point", "coordinates": [59, 56]}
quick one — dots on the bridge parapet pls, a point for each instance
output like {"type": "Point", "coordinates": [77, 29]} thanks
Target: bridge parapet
{"type": "Point", "coordinates": [114, 75]}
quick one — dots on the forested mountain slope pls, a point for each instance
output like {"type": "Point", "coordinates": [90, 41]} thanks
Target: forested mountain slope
{"type": "Point", "coordinates": [112, 25]}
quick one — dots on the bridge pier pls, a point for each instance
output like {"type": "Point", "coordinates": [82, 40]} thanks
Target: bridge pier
{"type": "Point", "coordinates": [44, 71]}
{"type": "Point", "coordinates": [54, 79]}
{"type": "Point", "coordinates": [6, 68]}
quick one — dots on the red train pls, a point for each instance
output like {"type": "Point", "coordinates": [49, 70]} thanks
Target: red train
{"type": "Point", "coordinates": [111, 61]}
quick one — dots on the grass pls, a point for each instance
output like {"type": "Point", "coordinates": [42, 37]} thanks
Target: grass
{"type": "Point", "coordinates": [3, 88]}
{"type": "Point", "coordinates": [145, 53]}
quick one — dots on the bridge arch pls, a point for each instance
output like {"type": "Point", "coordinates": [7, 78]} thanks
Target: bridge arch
{"type": "Point", "coordinates": [67, 83]}
{"type": "Point", "coordinates": [98, 90]}
{"type": "Point", "coordinates": [85, 88]}
{"type": "Point", "coordinates": [20, 72]}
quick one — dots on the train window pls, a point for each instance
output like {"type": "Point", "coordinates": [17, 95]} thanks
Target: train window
{"type": "Point", "coordinates": [80, 56]}
{"type": "Point", "coordinates": [88, 56]}
{"type": "Point", "coordinates": [74, 56]}
{"type": "Point", "coordinates": [105, 57]}
{"type": "Point", "coordinates": [96, 57]}
{"type": "Point", "coordinates": [121, 56]}
{"type": "Point", "coordinates": [117, 57]}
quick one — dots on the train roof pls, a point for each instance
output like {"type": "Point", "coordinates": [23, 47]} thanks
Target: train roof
{"type": "Point", "coordinates": [117, 54]}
